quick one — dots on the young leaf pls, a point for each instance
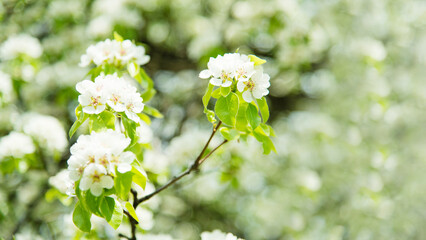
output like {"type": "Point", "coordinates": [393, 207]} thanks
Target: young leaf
{"type": "Point", "coordinates": [207, 95]}
{"type": "Point", "coordinates": [77, 124]}
{"type": "Point", "coordinates": [264, 110]}
{"type": "Point", "coordinates": [108, 119]}
{"type": "Point", "coordinates": [92, 202]}
{"type": "Point", "coordinates": [118, 37]}
{"type": "Point", "coordinates": [256, 60]}
{"type": "Point", "coordinates": [242, 123]}
{"type": "Point", "coordinates": [107, 207]}
{"type": "Point", "coordinates": [152, 111]}
{"type": "Point", "coordinates": [210, 115]}
{"type": "Point", "coordinates": [267, 144]}
{"type": "Point", "coordinates": [229, 134]}
{"type": "Point", "coordinates": [130, 129]}
{"type": "Point", "coordinates": [122, 184]}
{"type": "Point", "coordinates": [216, 93]}
{"type": "Point", "coordinates": [252, 116]}
{"type": "Point", "coordinates": [139, 178]}
{"type": "Point", "coordinates": [131, 210]}
{"type": "Point", "coordinates": [225, 91]}
{"type": "Point", "coordinates": [117, 215]}
{"type": "Point", "coordinates": [144, 118]}
{"type": "Point", "coordinates": [226, 109]}
{"type": "Point", "coordinates": [81, 218]}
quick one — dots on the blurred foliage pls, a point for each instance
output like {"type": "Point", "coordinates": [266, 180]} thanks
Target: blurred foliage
{"type": "Point", "coordinates": [347, 101]}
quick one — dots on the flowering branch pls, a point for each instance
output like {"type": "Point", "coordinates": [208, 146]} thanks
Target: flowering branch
{"type": "Point", "coordinates": [192, 168]}
{"type": "Point", "coordinates": [195, 166]}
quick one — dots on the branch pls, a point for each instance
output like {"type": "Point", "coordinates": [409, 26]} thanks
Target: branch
{"type": "Point", "coordinates": [195, 165]}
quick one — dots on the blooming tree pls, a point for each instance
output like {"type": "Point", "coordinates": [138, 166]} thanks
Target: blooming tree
{"type": "Point", "coordinates": [104, 165]}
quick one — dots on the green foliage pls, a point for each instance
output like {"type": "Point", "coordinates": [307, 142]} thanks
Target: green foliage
{"type": "Point", "coordinates": [122, 184]}
{"type": "Point", "coordinates": [131, 210]}
{"type": "Point", "coordinates": [81, 218]}
{"type": "Point", "coordinates": [226, 109]}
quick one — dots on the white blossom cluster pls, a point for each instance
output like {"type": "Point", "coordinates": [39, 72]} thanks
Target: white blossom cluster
{"type": "Point", "coordinates": [110, 90]}
{"type": "Point", "coordinates": [94, 159]}
{"type": "Point", "coordinates": [62, 182]}
{"type": "Point", "coordinates": [6, 89]}
{"type": "Point", "coordinates": [218, 235]}
{"type": "Point", "coordinates": [46, 130]}
{"type": "Point", "coordinates": [234, 67]}
{"type": "Point", "coordinates": [20, 44]}
{"type": "Point", "coordinates": [16, 145]}
{"type": "Point", "coordinates": [114, 52]}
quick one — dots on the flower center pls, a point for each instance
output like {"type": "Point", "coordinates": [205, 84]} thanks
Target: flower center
{"type": "Point", "coordinates": [95, 101]}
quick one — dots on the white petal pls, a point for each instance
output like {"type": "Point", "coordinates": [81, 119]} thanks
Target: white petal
{"type": "Point", "coordinates": [205, 74]}
{"type": "Point", "coordinates": [127, 157]}
{"type": "Point", "coordinates": [216, 81]}
{"type": "Point", "coordinates": [133, 116]}
{"type": "Point", "coordinates": [247, 96]}
{"type": "Point", "coordinates": [96, 189]}
{"type": "Point", "coordinates": [107, 182]}
{"type": "Point", "coordinates": [85, 183]}
{"type": "Point", "coordinates": [84, 85]}
{"type": "Point", "coordinates": [240, 86]}
{"type": "Point", "coordinates": [74, 175]}
{"type": "Point", "coordinates": [143, 60]}
{"type": "Point", "coordinates": [227, 83]}
{"type": "Point", "coordinates": [124, 167]}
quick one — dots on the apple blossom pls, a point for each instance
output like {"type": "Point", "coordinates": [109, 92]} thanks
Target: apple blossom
{"type": "Point", "coordinates": [16, 145]}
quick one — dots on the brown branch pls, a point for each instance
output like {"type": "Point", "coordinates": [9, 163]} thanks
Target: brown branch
{"type": "Point", "coordinates": [195, 165]}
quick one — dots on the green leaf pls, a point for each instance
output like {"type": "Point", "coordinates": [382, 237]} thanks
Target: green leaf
{"type": "Point", "coordinates": [108, 119]}
{"type": "Point", "coordinates": [148, 84]}
{"type": "Point", "coordinates": [229, 134]}
{"type": "Point", "coordinates": [252, 116]}
{"type": "Point", "coordinates": [207, 95]}
{"type": "Point", "coordinates": [144, 118]}
{"type": "Point", "coordinates": [226, 109]}
{"type": "Point", "coordinates": [263, 107]}
{"type": "Point", "coordinates": [123, 183]}
{"type": "Point", "coordinates": [267, 143]}
{"type": "Point", "coordinates": [242, 123]}
{"type": "Point", "coordinates": [81, 218]}
{"type": "Point", "coordinates": [118, 37]}
{"type": "Point", "coordinates": [152, 111]}
{"type": "Point", "coordinates": [81, 118]}
{"type": "Point", "coordinates": [256, 60]}
{"type": "Point", "coordinates": [117, 215]}
{"type": "Point", "coordinates": [77, 124]}
{"type": "Point", "coordinates": [210, 115]}
{"type": "Point", "coordinates": [216, 93]}
{"type": "Point", "coordinates": [224, 91]}
{"type": "Point", "coordinates": [139, 178]}
{"type": "Point", "coordinates": [107, 207]}
{"type": "Point", "coordinates": [130, 129]}
{"type": "Point", "coordinates": [92, 202]}
{"type": "Point", "coordinates": [131, 210]}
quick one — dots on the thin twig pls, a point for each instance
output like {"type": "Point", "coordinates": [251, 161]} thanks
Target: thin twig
{"type": "Point", "coordinates": [197, 162]}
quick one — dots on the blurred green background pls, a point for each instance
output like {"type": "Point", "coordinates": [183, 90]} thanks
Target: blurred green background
{"type": "Point", "coordinates": [347, 101]}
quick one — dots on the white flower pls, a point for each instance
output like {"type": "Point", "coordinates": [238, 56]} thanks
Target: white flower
{"type": "Point", "coordinates": [134, 105]}
{"type": "Point", "coordinates": [223, 69]}
{"type": "Point", "coordinates": [92, 97]}
{"type": "Point", "coordinates": [95, 179]}
{"type": "Point", "coordinates": [16, 145]}
{"type": "Point", "coordinates": [20, 44]}
{"type": "Point", "coordinates": [114, 52]}
{"type": "Point", "coordinates": [6, 89]}
{"type": "Point", "coordinates": [62, 182]}
{"type": "Point", "coordinates": [256, 87]}
{"type": "Point", "coordinates": [46, 130]}
{"type": "Point", "coordinates": [103, 149]}
{"type": "Point", "coordinates": [218, 235]}
{"type": "Point", "coordinates": [123, 161]}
